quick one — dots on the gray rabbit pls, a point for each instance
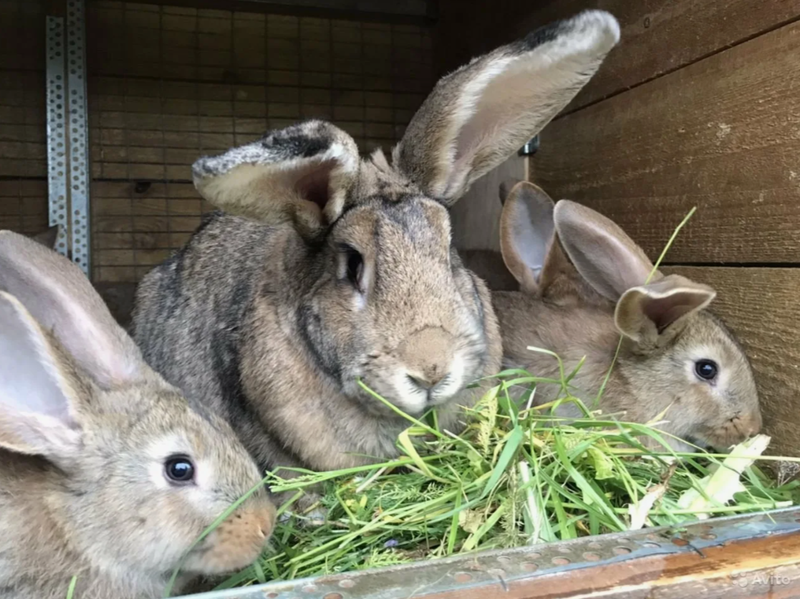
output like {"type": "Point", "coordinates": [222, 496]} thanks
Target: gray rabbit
{"type": "Point", "coordinates": [583, 284]}
{"type": "Point", "coordinates": [106, 472]}
{"type": "Point", "coordinates": [326, 268]}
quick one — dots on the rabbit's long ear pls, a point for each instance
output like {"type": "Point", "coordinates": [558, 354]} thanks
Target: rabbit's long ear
{"type": "Point", "coordinates": [652, 314]}
{"type": "Point", "coordinates": [300, 174]}
{"type": "Point", "coordinates": [526, 232]}
{"type": "Point", "coordinates": [603, 254]}
{"type": "Point", "coordinates": [479, 115]}
{"type": "Point", "coordinates": [648, 312]}
{"type": "Point", "coordinates": [39, 394]}
{"type": "Point", "coordinates": [61, 299]}
{"type": "Point", "coordinates": [48, 237]}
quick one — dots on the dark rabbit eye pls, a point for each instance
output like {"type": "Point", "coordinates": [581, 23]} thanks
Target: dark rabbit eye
{"type": "Point", "coordinates": [179, 469]}
{"type": "Point", "coordinates": [706, 369]}
{"type": "Point", "coordinates": [355, 267]}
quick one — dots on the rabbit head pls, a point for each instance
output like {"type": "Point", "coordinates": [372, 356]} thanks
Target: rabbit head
{"type": "Point", "coordinates": [380, 294]}
{"type": "Point", "coordinates": [580, 295]}
{"type": "Point", "coordinates": [132, 474]}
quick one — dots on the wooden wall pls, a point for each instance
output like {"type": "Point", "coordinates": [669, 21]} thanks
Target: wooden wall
{"type": "Point", "coordinates": [699, 105]}
{"type": "Point", "coordinates": [168, 84]}
{"type": "Point", "coordinates": [23, 146]}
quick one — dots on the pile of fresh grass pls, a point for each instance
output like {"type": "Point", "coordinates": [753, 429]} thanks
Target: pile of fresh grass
{"type": "Point", "coordinates": [511, 479]}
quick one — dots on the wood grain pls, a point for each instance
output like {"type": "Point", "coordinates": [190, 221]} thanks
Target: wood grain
{"type": "Point", "coordinates": [722, 134]}
{"type": "Point", "coordinates": [767, 567]}
{"type": "Point", "coordinates": [475, 218]}
{"type": "Point", "coordinates": [658, 36]}
{"type": "Point", "coordinates": [760, 307]}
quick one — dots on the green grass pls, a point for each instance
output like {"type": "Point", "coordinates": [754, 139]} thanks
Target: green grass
{"type": "Point", "coordinates": [71, 588]}
{"type": "Point", "coordinates": [510, 479]}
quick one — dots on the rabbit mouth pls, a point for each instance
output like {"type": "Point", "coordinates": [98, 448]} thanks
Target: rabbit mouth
{"type": "Point", "coordinates": [700, 442]}
{"type": "Point", "coordinates": [215, 558]}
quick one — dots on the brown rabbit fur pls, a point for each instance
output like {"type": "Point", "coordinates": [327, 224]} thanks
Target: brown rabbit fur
{"type": "Point", "coordinates": [327, 268]}
{"type": "Point", "coordinates": [87, 431]}
{"type": "Point", "coordinates": [579, 296]}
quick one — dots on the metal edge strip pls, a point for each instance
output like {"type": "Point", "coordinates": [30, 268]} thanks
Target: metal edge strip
{"type": "Point", "coordinates": [78, 137]}
{"type": "Point", "coordinates": [56, 138]}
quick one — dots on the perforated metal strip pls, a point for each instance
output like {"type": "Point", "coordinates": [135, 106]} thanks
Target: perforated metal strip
{"type": "Point", "coordinates": [56, 139]}
{"type": "Point", "coordinates": [78, 136]}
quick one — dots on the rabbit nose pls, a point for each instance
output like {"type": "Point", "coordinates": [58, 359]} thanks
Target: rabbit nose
{"type": "Point", "coordinates": [427, 355]}
{"type": "Point", "coordinates": [429, 379]}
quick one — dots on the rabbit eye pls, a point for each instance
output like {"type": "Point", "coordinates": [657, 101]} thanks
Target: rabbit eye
{"type": "Point", "coordinates": [706, 369]}
{"type": "Point", "coordinates": [354, 267]}
{"type": "Point", "coordinates": [179, 469]}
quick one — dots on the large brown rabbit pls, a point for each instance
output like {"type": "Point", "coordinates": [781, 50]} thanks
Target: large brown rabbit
{"type": "Point", "coordinates": [105, 472]}
{"type": "Point", "coordinates": [326, 268]}
{"type": "Point", "coordinates": [674, 353]}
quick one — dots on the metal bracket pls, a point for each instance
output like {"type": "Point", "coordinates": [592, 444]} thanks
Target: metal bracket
{"type": "Point", "coordinates": [56, 137]}
{"type": "Point", "coordinates": [67, 134]}
{"type": "Point", "coordinates": [530, 148]}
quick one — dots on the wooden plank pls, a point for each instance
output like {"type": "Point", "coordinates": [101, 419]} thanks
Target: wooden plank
{"type": "Point", "coordinates": [722, 134]}
{"type": "Point", "coordinates": [373, 12]}
{"type": "Point", "coordinates": [755, 568]}
{"type": "Point", "coordinates": [489, 266]}
{"type": "Point", "coordinates": [760, 307]}
{"type": "Point", "coordinates": [475, 218]}
{"type": "Point", "coordinates": [658, 36]}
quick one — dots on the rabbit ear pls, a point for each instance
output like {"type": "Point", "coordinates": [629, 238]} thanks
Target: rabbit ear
{"type": "Point", "coordinates": [301, 173]}
{"type": "Point", "coordinates": [38, 391]}
{"type": "Point", "coordinates": [602, 253]}
{"type": "Point", "coordinates": [61, 299]}
{"type": "Point", "coordinates": [526, 233]}
{"type": "Point", "coordinates": [48, 238]}
{"type": "Point", "coordinates": [479, 115]}
{"type": "Point", "coordinates": [653, 313]}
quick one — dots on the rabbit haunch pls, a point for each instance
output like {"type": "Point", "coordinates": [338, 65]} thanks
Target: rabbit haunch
{"type": "Point", "coordinates": [577, 302]}
{"type": "Point", "coordinates": [87, 434]}
{"type": "Point", "coordinates": [325, 268]}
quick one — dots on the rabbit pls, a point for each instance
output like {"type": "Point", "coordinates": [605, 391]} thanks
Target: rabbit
{"type": "Point", "coordinates": [48, 237]}
{"type": "Point", "coordinates": [106, 473]}
{"type": "Point", "coordinates": [325, 268]}
{"type": "Point", "coordinates": [577, 298]}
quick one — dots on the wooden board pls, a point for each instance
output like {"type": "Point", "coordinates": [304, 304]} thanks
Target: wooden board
{"type": "Point", "coordinates": [489, 265]}
{"type": "Point", "coordinates": [722, 134]}
{"type": "Point", "coordinates": [760, 307]}
{"type": "Point", "coordinates": [171, 83]}
{"type": "Point", "coordinates": [756, 568]}
{"type": "Point", "coordinates": [475, 218]}
{"type": "Point", "coordinates": [658, 36]}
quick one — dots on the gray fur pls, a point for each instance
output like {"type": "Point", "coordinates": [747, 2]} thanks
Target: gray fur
{"type": "Point", "coordinates": [595, 292]}
{"type": "Point", "coordinates": [85, 431]}
{"type": "Point", "coordinates": [268, 316]}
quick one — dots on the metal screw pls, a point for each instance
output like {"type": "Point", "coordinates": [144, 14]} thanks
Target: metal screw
{"type": "Point", "coordinates": [530, 148]}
